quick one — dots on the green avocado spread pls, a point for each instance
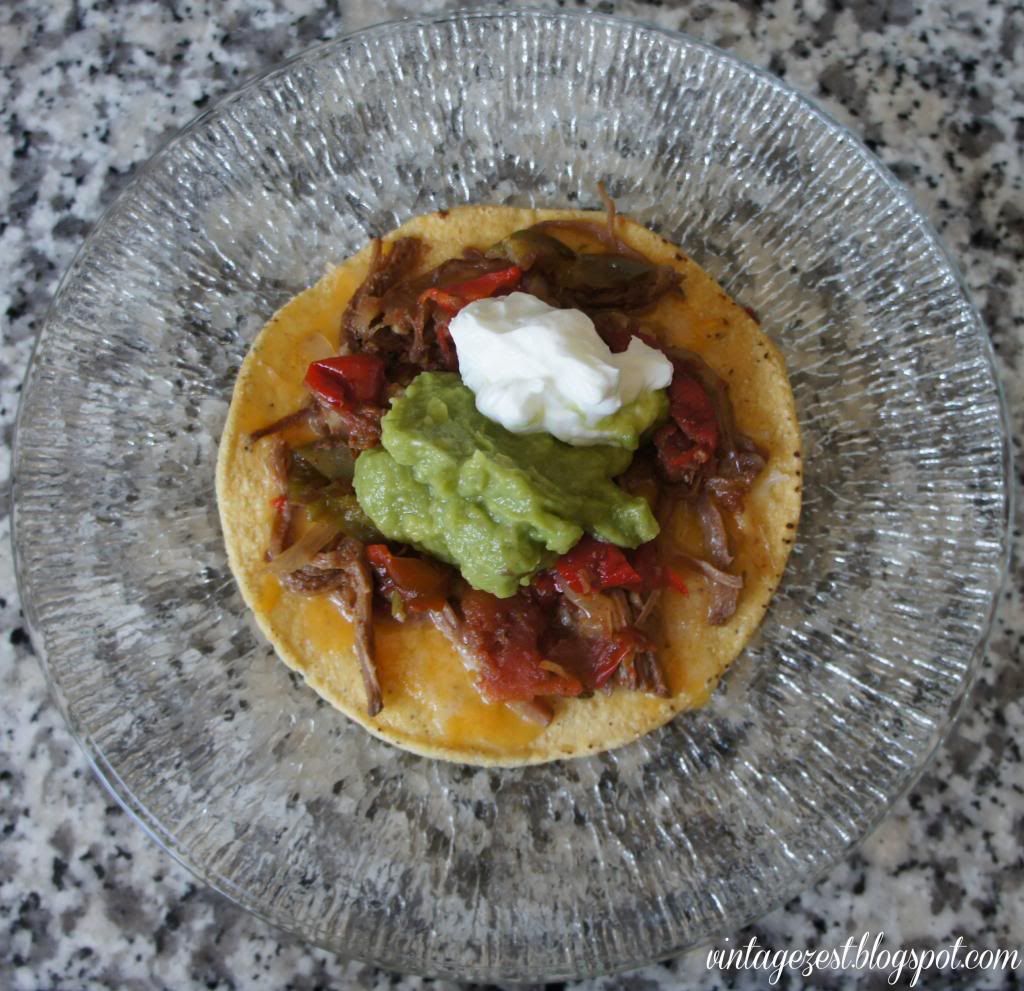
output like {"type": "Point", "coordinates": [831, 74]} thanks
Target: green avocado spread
{"type": "Point", "coordinates": [497, 505]}
{"type": "Point", "coordinates": [627, 425]}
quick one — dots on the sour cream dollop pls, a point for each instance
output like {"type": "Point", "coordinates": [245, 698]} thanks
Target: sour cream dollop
{"type": "Point", "coordinates": [535, 368]}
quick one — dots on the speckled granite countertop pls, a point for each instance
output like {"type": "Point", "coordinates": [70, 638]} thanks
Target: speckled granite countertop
{"type": "Point", "coordinates": [90, 89]}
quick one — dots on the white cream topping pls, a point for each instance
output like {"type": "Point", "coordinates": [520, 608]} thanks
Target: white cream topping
{"type": "Point", "coordinates": [535, 368]}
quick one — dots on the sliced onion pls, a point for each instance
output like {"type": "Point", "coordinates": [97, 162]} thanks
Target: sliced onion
{"type": "Point", "coordinates": [723, 589]}
{"type": "Point", "coordinates": [746, 461]}
{"type": "Point", "coordinates": [598, 614]}
{"type": "Point", "coordinates": [711, 572]}
{"type": "Point", "coordinates": [722, 604]}
{"type": "Point", "coordinates": [716, 540]}
{"type": "Point", "coordinates": [773, 478]}
{"type": "Point", "coordinates": [314, 540]}
{"type": "Point", "coordinates": [554, 667]}
{"type": "Point", "coordinates": [536, 711]}
{"type": "Point", "coordinates": [648, 607]}
{"type": "Point", "coordinates": [334, 423]}
{"type": "Point", "coordinates": [316, 347]}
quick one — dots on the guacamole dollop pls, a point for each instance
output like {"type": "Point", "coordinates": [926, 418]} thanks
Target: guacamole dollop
{"type": "Point", "coordinates": [497, 505]}
{"type": "Point", "coordinates": [626, 425]}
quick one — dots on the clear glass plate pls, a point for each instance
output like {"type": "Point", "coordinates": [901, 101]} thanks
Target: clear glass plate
{"type": "Point", "coordinates": [570, 868]}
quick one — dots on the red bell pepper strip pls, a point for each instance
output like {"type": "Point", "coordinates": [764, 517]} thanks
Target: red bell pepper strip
{"type": "Point", "coordinates": [692, 409]}
{"type": "Point", "coordinates": [452, 298]}
{"type": "Point", "coordinates": [616, 650]}
{"type": "Point", "coordinates": [378, 555]}
{"type": "Point", "coordinates": [422, 584]}
{"type": "Point", "coordinates": [613, 653]}
{"type": "Point", "coordinates": [596, 659]}
{"type": "Point", "coordinates": [446, 345]}
{"type": "Point", "coordinates": [593, 566]}
{"type": "Point", "coordinates": [646, 564]}
{"type": "Point", "coordinates": [348, 381]}
{"type": "Point", "coordinates": [653, 573]}
{"type": "Point", "coordinates": [506, 634]}
{"type": "Point", "coordinates": [675, 580]}
{"type": "Point", "coordinates": [445, 300]}
{"type": "Point", "coordinates": [545, 588]}
{"type": "Point", "coordinates": [676, 453]}
{"type": "Point", "coordinates": [690, 438]}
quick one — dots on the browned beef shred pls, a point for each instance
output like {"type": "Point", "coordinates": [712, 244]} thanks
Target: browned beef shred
{"type": "Point", "coordinates": [364, 310]}
{"type": "Point", "coordinates": [388, 315]}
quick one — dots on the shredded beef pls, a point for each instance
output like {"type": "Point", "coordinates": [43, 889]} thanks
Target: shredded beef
{"type": "Point", "coordinates": [367, 305]}
{"type": "Point", "coordinates": [304, 415]}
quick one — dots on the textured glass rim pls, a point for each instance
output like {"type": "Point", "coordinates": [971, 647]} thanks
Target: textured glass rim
{"type": "Point", "coordinates": [108, 774]}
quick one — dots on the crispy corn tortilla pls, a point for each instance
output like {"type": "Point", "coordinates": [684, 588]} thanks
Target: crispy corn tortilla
{"type": "Point", "coordinates": [430, 704]}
